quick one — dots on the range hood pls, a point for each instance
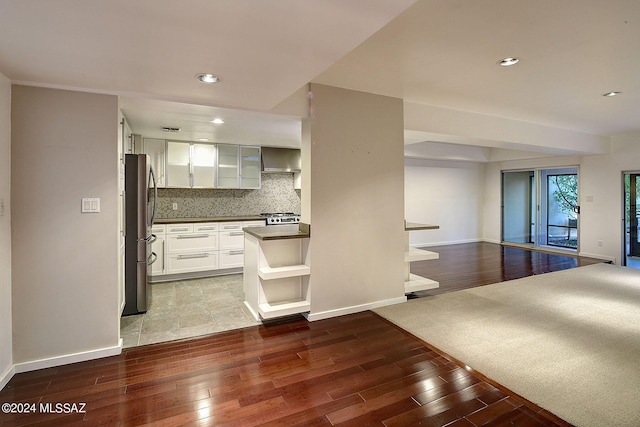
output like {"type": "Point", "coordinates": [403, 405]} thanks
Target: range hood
{"type": "Point", "coordinates": [280, 160]}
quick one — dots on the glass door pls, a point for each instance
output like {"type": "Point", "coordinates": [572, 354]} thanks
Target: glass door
{"type": "Point", "coordinates": [561, 219]}
{"type": "Point", "coordinates": [250, 174]}
{"type": "Point", "coordinates": [540, 207]}
{"type": "Point", "coordinates": [518, 207]}
{"type": "Point", "coordinates": [204, 165]}
{"type": "Point", "coordinates": [228, 171]}
{"type": "Point", "coordinates": [631, 181]}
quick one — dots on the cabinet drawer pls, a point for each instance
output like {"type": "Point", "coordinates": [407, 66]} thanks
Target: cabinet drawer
{"type": "Point", "coordinates": [192, 261]}
{"type": "Point", "coordinates": [158, 229]}
{"type": "Point", "coordinates": [232, 258]}
{"type": "Point", "coordinates": [232, 239]}
{"type": "Point", "coordinates": [179, 228]}
{"type": "Point", "coordinates": [205, 226]}
{"type": "Point", "coordinates": [230, 226]}
{"type": "Point", "coordinates": [192, 242]}
{"type": "Point", "coordinates": [257, 223]}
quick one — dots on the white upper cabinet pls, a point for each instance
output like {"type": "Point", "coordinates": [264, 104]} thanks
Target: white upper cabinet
{"type": "Point", "coordinates": [157, 151]}
{"type": "Point", "coordinates": [228, 166]}
{"type": "Point", "coordinates": [250, 170]}
{"type": "Point", "coordinates": [203, 159]}
{"type": "Point", "coordinates": [178, 164]}
{"type": "Point", "coordinates": [238, 166]}
{"type": "Point", "coordinates": [196, 165]}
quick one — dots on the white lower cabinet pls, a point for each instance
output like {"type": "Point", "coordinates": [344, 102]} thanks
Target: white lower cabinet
{"type": "Point", "coordinates": [192, 261]}
{"type": "Point", "coordinates": [232, 242]}
{"type": "Point", "coordinates": [192, 247]}
{"type": "Point", "coordinates": [231, 258]}
{"type": "Point", "coordinates": [189, 242]}
{"type": "Point", "coordinates": [158, 247]}
{"type": "Point", "coordinates": [198, 247]}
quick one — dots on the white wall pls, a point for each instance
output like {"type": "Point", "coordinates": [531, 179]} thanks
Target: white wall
{"type": "Point", "coordinates": [601, 198]}
{"type": "Point", "coordinates": [601, 181]}
{"type": "Point", "coordinates": [6, 363]}
{"type": "Point", "coordinates": [355, 201]}
{"type": "Point", "coordinates": [445, 193]}
{"type": "Point", "coordinates": [492, 197]}
{"type": "Point", "coordinates": [64, 263]}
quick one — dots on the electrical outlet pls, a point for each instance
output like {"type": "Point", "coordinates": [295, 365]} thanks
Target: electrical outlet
{"type": "Point", "coordinates": [600, 243]}
{"type": "Point", "coordinates": [1, 207]}
{"type": "Point", "coordinates": [175, 206]}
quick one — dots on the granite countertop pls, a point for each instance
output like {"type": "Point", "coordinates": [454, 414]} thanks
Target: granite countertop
{"type": "Point", "coordinates": [413, 226]}
{"type": "Point", "coordinates": [209, 219]}
{"type": "Point", "coordinates": [280, 232]}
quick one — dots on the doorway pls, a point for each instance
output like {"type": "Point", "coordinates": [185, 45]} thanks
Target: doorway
{"type": "Point", "coordinates": [540, 208]}
{"type": "Point", "coordinates": [631, 249]}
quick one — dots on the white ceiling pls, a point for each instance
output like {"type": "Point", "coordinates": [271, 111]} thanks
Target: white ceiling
{"type": "Point", "coordinates": [431, 52]}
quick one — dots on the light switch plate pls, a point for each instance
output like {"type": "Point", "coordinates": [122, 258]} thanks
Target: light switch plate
{"type": "Point", "coordinates": [90, 204]}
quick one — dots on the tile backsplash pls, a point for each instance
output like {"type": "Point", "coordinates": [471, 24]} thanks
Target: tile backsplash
{"type": "Point", "coordinates": [276, 195]}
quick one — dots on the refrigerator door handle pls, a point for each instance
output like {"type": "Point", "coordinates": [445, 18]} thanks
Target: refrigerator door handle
{"type": "Point", "coordinates": [152, 176]}
{"type": "Point", "coordinates": [152, 258]}
{"type": "Point", "coordinates": [149, 239]}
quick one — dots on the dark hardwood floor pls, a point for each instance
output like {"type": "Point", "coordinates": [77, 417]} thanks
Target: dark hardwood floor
{"type": "Point", "coordinates": [352, 370]}
{"type": "Point", "coordinates": [469, 265]}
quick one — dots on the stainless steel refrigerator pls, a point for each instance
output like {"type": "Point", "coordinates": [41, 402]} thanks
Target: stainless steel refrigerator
{"type": "Point", "coordinates": [140, 206]}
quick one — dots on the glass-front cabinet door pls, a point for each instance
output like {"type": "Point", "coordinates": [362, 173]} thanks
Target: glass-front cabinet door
{"type": "Point", "coordinates": [203, 160]}
{"type": "Point", "coordinates": [250, 176]}
{"type": "Point", "coordinates": [228, 169]}
{"type": "Point", "coordinates": [178, 164]}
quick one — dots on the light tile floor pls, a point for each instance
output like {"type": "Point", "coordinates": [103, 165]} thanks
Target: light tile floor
{"type": "Point", "coordinates": [189, 308]}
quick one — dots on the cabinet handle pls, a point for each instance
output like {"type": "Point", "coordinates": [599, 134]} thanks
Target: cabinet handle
{"type": "Point", "coordinates": [180, 229]}
{"type": "Point", "coordinates": [237, 233]}
{"type": "Point", "coordinates": [193, 236]}
{"type": "Point", "coordinates": [191, 256]}
{"type": "Point", "coordinates": [238, 252]}
{"type": "Point", "coordinates": [231, 227]}
{"type": "Point", "coordinates": [206, 228]}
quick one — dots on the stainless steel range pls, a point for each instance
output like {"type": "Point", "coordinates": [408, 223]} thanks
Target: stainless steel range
{"type": "Point", "coordinates": [279, 218]}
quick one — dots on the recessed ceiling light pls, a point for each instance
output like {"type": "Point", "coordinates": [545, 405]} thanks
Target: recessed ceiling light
{"type": "Point", "coordinates": [507, 62]}
{"type": "Point", "coordinates": [614, 93]}
{"type": "Point", "coordinates": [217, 121]}
{"type": "Point", "coordinates": [207, 78]}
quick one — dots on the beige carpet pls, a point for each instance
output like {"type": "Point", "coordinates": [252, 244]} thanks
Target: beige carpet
{"type": "Point", "coordinates": [568, 341]}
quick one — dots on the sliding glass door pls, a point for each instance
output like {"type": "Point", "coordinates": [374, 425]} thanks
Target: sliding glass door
{"type": "Point", "coordinates": [631, 181]}
{"type": "Point", "coordinates": [540, 207]}
{"type": "Point", "coordinates": [518, 207]}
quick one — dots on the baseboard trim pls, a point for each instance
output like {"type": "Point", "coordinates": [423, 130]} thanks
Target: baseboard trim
{"type": "Point", "coordinates": [311, 317]}
{"type": "Point", "coordinates": [252, 311]}
{"type": "Point", "coordinates": [598, 256]}
{"type": "Point", "coordinates": [454, 242]}
{"type": "Point", "coordinates": [195, 275]}
{"type": "Point", "coordinates": [6, 377]}
{"type": "Point", "coordinates": [68, 358]}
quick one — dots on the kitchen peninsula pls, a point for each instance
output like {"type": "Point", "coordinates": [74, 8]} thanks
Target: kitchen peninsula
{"type": "Point", "coordinates": [277, 270]}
